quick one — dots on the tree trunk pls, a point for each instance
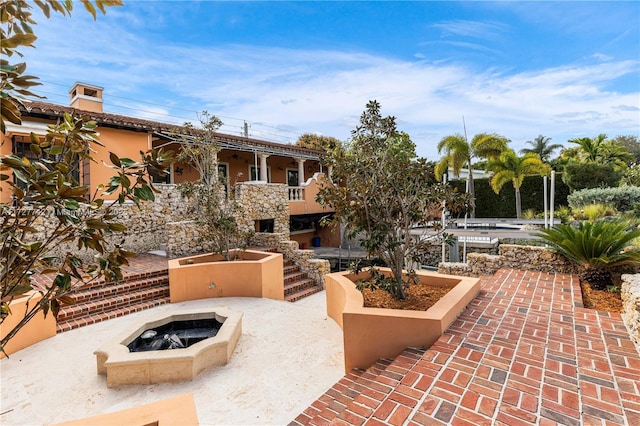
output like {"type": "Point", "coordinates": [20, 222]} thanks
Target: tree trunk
{"type": "Point", "coordinates": [518, 204]}
{"type": "Point", "coordinates": [471, 190]}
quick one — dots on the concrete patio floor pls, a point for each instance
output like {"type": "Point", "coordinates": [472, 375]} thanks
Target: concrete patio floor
{"type": "Point", "coordinates": [288, 355]}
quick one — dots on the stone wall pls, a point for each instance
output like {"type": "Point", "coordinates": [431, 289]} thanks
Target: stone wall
{"type": "Point", "coordinates": [315, 268]}
{"type": "Point", "coordinates": [146, 224]}
{"type": "Point", "coordinates": [262, 201]}
{"type": "Point", "coordinates": [630, 293]}
{"type": "Point", "coordinates": [533, 258]}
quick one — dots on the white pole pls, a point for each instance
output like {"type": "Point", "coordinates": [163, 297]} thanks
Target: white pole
{"type": "Point", "coordinates": [546, 203]}
{"type": "Point", "coordinates": [553, 193]}
{"type": "Point", "coordinates": [442, 220]}
{"type": "Point", "coordinates": [464, 243]}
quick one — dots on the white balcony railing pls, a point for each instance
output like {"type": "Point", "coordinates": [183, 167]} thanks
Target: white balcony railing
{"type": "Point", "coordinates": [296, 193]}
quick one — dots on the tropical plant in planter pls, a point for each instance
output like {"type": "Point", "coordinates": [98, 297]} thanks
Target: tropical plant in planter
{"type": "Point", "coordinates": [598, 247]}
{"type": "Point", "coordinates": [213, 201]}
{"type": "Point", "coordinates": [382, 189]}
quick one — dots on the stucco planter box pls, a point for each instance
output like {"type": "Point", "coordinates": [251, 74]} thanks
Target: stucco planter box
{"type": "Point", "coordinates": [177, 411]}
{"type": "Point", "coordinates": [255, 274]}
{"type": "Point", "coordinates": [37, 329]}
{"type": "Point", "coordinates": [373, 333]}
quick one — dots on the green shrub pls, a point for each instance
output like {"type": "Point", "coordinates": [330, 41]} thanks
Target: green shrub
{"type": "Point", "coordinates": [622, 198]}
{"type": "Point", "coordinates": [590, 175]}
{"type": "Point", "coordinates": [563, 213]}
{"type": "Point", "coordinates": [596, 246]}
{"type": "Point", "coordinates": [594, 212]}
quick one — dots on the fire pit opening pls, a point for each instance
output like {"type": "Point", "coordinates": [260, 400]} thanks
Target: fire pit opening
{"type": "Point", "coordinates": [175, 335]}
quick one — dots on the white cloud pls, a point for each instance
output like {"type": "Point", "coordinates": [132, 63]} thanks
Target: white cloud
{"type": "Point", "coordinates": [284, 91]}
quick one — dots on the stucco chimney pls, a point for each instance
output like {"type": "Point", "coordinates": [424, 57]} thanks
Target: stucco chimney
{"type": "Point", "coordinates": [86, 97]}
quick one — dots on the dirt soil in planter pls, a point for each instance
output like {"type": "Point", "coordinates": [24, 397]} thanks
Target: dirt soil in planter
{"type": "Point", "coordinates": [601, 300]}
{"type": "Point", "coordinates": [420, 297]}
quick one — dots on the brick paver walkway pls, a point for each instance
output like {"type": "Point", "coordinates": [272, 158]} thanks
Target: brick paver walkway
{"type": "Point", "coordinates": [524, 352]}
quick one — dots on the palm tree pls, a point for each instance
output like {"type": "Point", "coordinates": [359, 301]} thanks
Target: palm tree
{"type": "Point", "coordinates": [541, 146]}
{"type": "Point", "coordinates": [601, 150]}
{"type": "Point", "coordinates": [510, 167]}
{"type": "Point", "coordinates": [458, 153]}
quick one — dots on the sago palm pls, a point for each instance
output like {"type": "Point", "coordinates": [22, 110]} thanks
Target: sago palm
{"type": "Point", "coordinates": [597, 247]}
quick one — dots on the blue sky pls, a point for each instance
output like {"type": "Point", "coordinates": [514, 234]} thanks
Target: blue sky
{"type": "Point", "coordinates": [560, 69]}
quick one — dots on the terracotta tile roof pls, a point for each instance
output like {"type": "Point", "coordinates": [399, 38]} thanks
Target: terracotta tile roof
{"type": "Point", "coordinates": [53, 111]}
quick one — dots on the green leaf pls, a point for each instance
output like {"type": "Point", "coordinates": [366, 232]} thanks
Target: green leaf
{"type": "Point", "coordinates": [19, 290]}
{"type": "Point", "coordinates": [71, 205]}
{"type": "Point", "coordinates": [144, 193]}
{"type": "Point", "coordinates": [55, 150]}
{"type": "Point", "coordinates": [114, 159]}
{"type": "Point", "coordinates": [67, 300]}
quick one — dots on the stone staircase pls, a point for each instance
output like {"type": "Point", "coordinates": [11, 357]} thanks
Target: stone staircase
{"type": "Point", "coordinates": [381, 394]}
{"type": "Point", "coordinates": [297, 284]}
{"type": "Point", "coordinates": [101, 301]}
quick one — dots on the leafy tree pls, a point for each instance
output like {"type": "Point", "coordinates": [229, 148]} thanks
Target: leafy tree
{"type": "Point", "coordinates": [601, 150]}
{"type": "Point", "coordinates": [510, 167]}
{"type": "Point", "coordinates": [597, 247]}
{"type": "Point", "coordinates": [541, 146]}
{"type": "Point", "coordinates": [586, 175]}
{"type": "Point", "coordinates": [632, 175]}
{"type": "Point", "coordinates": [45, 189]}
{"type": "Point", "coordinates": [631, 144]}
{"type": "Point", "coordinates": [216, 210]}
{"type": "Point", "coordinates": [458, 153]}
{"type": "Point", "coordinates": [18, 33]}
{"type": "Point", "coordinates": [382, 189]}
{"type": "Point", "coordinates": [318, 142]}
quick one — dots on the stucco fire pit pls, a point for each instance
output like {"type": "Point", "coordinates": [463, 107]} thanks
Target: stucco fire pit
{"type": "Point", "coordinates": [123, 367]}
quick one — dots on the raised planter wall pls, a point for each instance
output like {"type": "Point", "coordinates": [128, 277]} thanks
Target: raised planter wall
{"type": "Point", "coordinates": [257, 274]}
{"type": "Point", "coordinates": [373, 333]}
{"type": "Point", "coordinates": [177, 411]}
{"type": "Point", "coordinates": [37, 329]}
{"type": "Point", "coordinates": [533, 258]}
{"type": "Point", "coordinates": [630, 293]}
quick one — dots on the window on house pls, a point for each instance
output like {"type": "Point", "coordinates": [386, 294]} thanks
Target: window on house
{"type": "Point", "coordinates": [223, 175]}
{"type": "Point", "coordinates": [21, 148]}
{"type": "Point", "coordinates": [292, 177]}
{"type": "Point", "coordinates": [255, 173]}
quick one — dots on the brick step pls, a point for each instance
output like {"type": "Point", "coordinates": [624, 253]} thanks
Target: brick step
{"type": "Point", "coordinates": [124, 287]}
{"type": "Point", "coordinates": [294, 276]}
{"type": "Point", "coordinates": [299, 285]}
{"type": "Point", "coordinates": [127, 277]}
{"type": "Point", "coordinates": [114, 302]}
{"type": "Point", "coordinates": [356, 385]}
{"type": "Point", "coordinates": [384, 389]}
{"type": "Point", "coordinates": [103, 316]}
{"type": "Point", "coordinates": [290, 269]}
{"type": "Point", "coordinates": [301, 294]}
